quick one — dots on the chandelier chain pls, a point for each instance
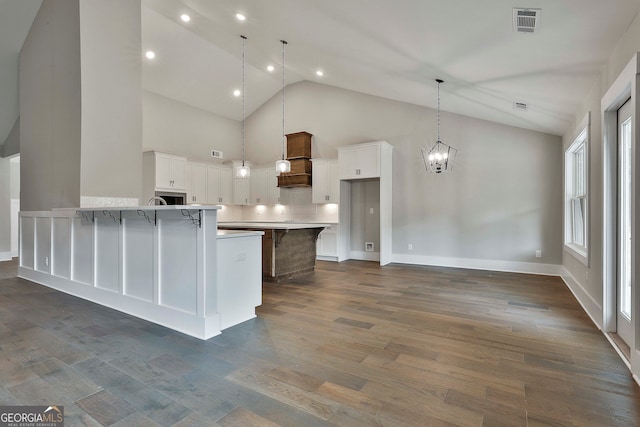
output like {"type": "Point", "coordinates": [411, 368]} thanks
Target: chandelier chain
{"type": "Point", "coordinates": [438, 113]}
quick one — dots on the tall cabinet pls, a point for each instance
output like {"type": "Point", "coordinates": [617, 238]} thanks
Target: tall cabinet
{"type": "Point", "coordinates": [371, 160]}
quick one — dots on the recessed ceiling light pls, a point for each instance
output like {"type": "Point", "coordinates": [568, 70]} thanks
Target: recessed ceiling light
{"type": "Point", "coordinates": [150, 54]}
{"type": "Point", "coordinates": [236, 92]}
{"type": "Point", "coordinates": [240, 17]}
{"type": "Point", "coordinates": [270, 68]}
{"type": "Point", "coordinates": [319, 73]}
{"type": "Point", "coordinates": [185, 17]}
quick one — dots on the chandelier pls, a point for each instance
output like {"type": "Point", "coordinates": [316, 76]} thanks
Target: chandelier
{"type": "Point", "coordinates": [283, 165]}
{"type": "Point", "coordinates": [439, 157]}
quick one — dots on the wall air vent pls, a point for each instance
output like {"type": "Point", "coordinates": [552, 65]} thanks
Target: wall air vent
{"type": "Point", "coordinates": [216, 154]}
{"type": "Point", "coordinates": [526, 20]}
{"type": "Point", "coordinates": [520, 106]}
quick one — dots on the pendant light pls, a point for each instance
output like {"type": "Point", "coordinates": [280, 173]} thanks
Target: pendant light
{"type": "Point", "coordinates": [438, 158]}
{"type": "Point", "coordinates": [283, 165]}
{"type": "Point", "coordinates": [243, 171]}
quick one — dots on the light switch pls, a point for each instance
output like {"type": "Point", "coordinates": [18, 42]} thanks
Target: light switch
{"type": "Point", "coordinates": [370, 211]}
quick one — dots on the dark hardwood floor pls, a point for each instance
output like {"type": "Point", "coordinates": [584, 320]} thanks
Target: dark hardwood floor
{"type": "Point", "coordinates": [352, 344]}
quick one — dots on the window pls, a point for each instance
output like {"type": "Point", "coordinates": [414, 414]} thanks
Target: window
{"type": "Point", "coordinates": [576, 195]}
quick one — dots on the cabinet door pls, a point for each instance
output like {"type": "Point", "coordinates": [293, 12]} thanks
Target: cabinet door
{"type": "Point", "coordinates": [347, 163]}
{"type": "Point", "coordinates": [178, 173]}
{"type": "Point", "coordinates": [226, 186]}
{"type": "Point", "coordinates": [368, 162]}
{"type": "Point", "coordinates": [213, 185]}
{"type": "Point", "coordinates": [258, 187]}
{"type": "Point", "coordinates": [333, 182]}
{"type": "Point", "coordinates": [240, 191]}
{"type": "Point", "coordinates": [163, 171]}
{"type": "Point", "coordinates": [327, 244]}
{"type": "Point", "coordinates": [320, 180]}
{"type": "Point", "coordinates": [272, 187]}
{"type": "Point", "coordinates": [189, 187]}
{"type": "Point", "coordinates": [199, 183]}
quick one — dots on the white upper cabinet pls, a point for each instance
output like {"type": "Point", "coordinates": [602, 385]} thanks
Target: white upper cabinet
{"type": "Point", "coordinates": [359, 161]}
{"type": "Point", "coordinates": [219, 186]}
{"type": "Point", "coordinates": [241, 191]}
{"type": "Point", "coordinates": [196, 175]}
{"type": "Point", "coordinates": [264, 188]}
{"type": "Point", "coordinates": [326, 181]}
{"type": "Point", "coordinates": [163, 172]}
{"type": "Point", "coordinates": [170, 172]}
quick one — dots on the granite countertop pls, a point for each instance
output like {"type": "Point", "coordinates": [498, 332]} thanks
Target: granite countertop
{"type": "Point", "coordinates": [274, 225]}
{"type": "Point", "coordinates": [150, 208]}
{"type": "Point", "coordinates": [230, 234]}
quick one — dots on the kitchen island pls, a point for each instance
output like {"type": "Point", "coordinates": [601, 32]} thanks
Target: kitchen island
{"type": "Point", "coordinates": [166, 264]}
{"type": "Point", "coordinates": [288, 248]}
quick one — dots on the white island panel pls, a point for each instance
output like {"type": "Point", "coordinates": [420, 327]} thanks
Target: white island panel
{"type": "Point", "coordinates": [138, 258]}
{"type": "Point", "coordinates": [107, 273]}
{"type": "Point", "coordinates": [27, 230]}
{"type": "Point", "coordinates": [61, 247]}
{"type": "Point", "coordinates": [82, 251]}
{"type": "Point", "coordinates": [178, 267]}
{"type": "Point", "coordinates": [158, 263]}
{"type": "Point", "coordinates": [43, 244]}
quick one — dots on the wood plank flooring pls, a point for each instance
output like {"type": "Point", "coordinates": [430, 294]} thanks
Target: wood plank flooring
{"type": "Point", "coordinates": [352, 344]}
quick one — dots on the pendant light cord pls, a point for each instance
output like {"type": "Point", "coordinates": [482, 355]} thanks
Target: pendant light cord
{"type": "Point", "coordinates": [243, 41]}
{"type": "Point", "coordinates": [283, 135]}
{"type": "Point", "coordinates": [438, 111]}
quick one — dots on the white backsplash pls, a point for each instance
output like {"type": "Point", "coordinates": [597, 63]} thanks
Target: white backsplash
{"type": "Point", "coordinates": [299, 208]}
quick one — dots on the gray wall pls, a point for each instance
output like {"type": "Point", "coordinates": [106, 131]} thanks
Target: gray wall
{"type": "Point", "coordinates": [12, 144]}
{"type": "Point", "coordinates": [81, 103]}
{"type": "Point", "coordinates": [5, 208]}
{"type": "Point", "coordinates": [50, 107]}
{"type": "Point", "coordinates": [173, 127]}
{"type": "Point", "coordinates": [503, 201]}
{"type": "Point", "coordinates": [590, 278]}
{"type": "Point", "coordinates": [111, 68]}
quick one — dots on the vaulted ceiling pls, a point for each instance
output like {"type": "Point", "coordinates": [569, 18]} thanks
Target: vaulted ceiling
{"type": "Point", "coordinates": [392, 49]}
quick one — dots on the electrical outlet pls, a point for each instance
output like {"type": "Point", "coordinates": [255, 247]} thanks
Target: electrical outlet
{"type": "Point", "coordinates": [538, 253]}
{"type": "Point", "coordinates": [242, 256]}
{"type": "Point", "coordinates": [410, 246]}
{"type": "Point", "coordinates": [46, 261]}
{"type": "Point", "coordinates": [368, 246]}
{"type": "Point", "coordinates": [371, 211]}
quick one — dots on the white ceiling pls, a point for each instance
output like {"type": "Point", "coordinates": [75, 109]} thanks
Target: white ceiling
{"type": "Point", "coordinates": [394, 49]}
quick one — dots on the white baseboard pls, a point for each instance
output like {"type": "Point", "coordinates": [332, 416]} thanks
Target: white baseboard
{"type": "Point", "coordinates": [5, 256]}
{"type": "Point", "coordinates": [326, 258]}
{"type": "Point", "coordinates": [364, 256]}
{"type": "Point", "coordinates": [589, 305]}
{"type": "Point", "coordinates": [480, 264]}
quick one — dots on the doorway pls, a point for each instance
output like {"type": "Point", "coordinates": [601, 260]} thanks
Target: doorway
{"type": "Point", "coordinates": [625, 188]}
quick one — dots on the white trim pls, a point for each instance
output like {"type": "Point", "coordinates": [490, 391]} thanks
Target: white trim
{"type": "Point", "coordinates": [364, 256]}
{"type": "Point", "coordinates": [480, 264]}
{"type": "Point", "coordinates": [327, 258]}
{"type": "Point", "coordinates": [589, 305]}
{"type": "Point", "coordinates": [6, 256]}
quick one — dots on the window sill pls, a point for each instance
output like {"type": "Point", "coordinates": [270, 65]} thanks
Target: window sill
{"type": "Point", "coordinates": [578, 253]}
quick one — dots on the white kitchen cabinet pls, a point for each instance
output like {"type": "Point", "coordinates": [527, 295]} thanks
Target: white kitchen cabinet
{"type": "Point", "coordinates": [327, 243]}
{"type": "Point", "coordinates": [241, 191]}
{"type": "Point", "coordinates": [359, 161]}
{"type": "Point", "coordinates": [196, 183]}
{"type": "Point", "coordinates": [170, 172]}
{"type": "Point", "coordinates": [264, 188]}
{"type": "Point", "coordinates": [219, 185]}
{"type": "Point", "coordinates": [326, 181]}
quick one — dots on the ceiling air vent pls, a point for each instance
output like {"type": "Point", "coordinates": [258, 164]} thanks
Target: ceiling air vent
{"type": "Point", "coordinates": [526, 20]}
{"type": "Point", "coordinates": [520, 106]}
{"type": "Point", "coordinates": [216, 154]}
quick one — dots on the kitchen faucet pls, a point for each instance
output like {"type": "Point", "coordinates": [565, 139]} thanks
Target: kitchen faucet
{"type": "Point", "coordinates": [153, 199]}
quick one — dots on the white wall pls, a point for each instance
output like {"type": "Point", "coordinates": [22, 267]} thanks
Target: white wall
{"type": "Point", "coordinates": [50, 108]}
{"type": "Point", "coordinates": [502, 202]}
{"type": "Point", "coordinates": [14, 172]}
{"type": "Point", "coordinates": [589, 280]}
{"type": "Point", "coordinates": [173, 127]}
{"type": "Point", "coordinates": [111, 70]}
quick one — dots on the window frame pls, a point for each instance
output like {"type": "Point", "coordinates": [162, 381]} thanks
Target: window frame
{"type": "Point", "coordinates": [576, 193]}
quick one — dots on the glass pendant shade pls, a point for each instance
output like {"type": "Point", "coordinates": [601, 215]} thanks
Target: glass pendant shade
{"type": "Point", "coordinates": [283, 166]}
{"type": "Point", "coordinates": [243, 171]}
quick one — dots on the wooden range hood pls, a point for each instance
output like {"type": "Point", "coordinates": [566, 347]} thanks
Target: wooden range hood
{"type": "Point", "coordinates": [299, 154]}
